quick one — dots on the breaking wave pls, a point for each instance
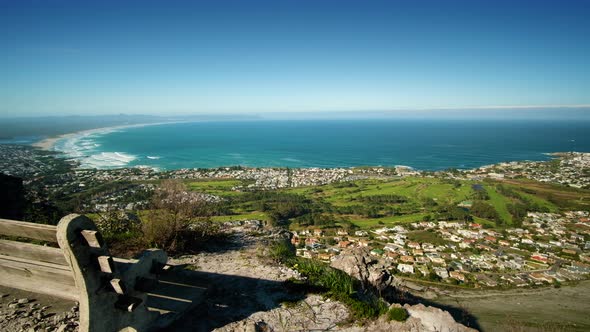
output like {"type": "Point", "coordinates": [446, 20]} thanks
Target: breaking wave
{"type": "Point", "coordinates": [107, 160]}
{"type": "Point", "coordinates": [83, 148]}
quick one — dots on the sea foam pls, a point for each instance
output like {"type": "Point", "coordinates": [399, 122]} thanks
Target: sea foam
{"type": "Point", "coordinates": [82, 147]}
{"type": "Point", "coordinates": [107, 160]}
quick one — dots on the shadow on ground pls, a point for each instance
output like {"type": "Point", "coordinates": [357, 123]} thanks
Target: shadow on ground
{"type": "Point", "coordinates": [460, 315]}
{"type": "Point", "coordinates": [229, 298]}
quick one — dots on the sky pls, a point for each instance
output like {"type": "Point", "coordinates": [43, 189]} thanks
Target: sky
{"type": "Point", "coordinates": [220, 56]}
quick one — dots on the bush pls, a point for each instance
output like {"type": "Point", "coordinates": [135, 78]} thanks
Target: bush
{"type": "Point", "coordinates": [339, 286]}
{"type": "Point", "coordinates": [178, 220]}
{"type": "Point", "coordinates": [161, 231]}
{"type": "Point", "coordinates": [282, 251]}
{"type": "Point", "coordinates": [115, 223]}
{"type": "Point", "coordinates": [397, 314]}
{"type": "Point", "coordinates": [179, 236]}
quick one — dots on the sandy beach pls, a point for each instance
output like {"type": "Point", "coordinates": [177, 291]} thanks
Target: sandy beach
{"type": "Point", "coordinates": [48, 144]}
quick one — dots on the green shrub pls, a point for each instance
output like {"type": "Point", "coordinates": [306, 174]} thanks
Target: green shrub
{"type": "Point", "coordinates": [114, 223]}
{"type": "Point", "coordinates": [282, 251]}
{"type": "Point", "coordinates": [339, 286]}
{"type": "Point", "coordinates": [398, 314]}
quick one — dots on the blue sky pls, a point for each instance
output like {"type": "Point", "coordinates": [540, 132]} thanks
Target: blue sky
{"type": "Point", "coordinates": [178, 57]}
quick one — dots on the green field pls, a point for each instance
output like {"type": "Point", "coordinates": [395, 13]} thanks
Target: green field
{"type": "Point", "coordinates": [245, 216]}
{"type": "Point", "coordinates": [374, 203]}
{"type": "Point", "coordinates": [499, 202]}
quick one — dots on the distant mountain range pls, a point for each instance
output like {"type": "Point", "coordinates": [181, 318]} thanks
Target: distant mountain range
{"type": "Point", "coordinates": [58, 125]}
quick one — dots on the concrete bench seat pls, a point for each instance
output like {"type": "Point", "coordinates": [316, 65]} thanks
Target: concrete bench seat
{"type": "Point", "coordinates": [114, 294]}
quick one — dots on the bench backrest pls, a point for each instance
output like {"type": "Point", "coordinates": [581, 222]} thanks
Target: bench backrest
{"type": "Point", "coordinates": [112, 292]}
{"type": "Point", "coordinates": [35, 268]}
{"type": "Point", "coordinates": [28, 230]}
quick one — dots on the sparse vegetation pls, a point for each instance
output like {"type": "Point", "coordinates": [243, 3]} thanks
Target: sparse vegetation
{"type": "Point", "coordinates": [397, 314]}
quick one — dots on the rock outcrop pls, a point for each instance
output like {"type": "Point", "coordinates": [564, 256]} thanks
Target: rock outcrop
{"type": "Point", "coordinates": [317, 314]}
{"type": "Point", "coordinates": [360, 265]}
{"type": "Point", "coordinates": [433, 319]}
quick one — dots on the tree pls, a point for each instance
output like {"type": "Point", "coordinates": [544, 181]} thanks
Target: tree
{"type": "Point", "coordinates": [485, 210]}
{"type": "Point", "coordinates": [176, 218]}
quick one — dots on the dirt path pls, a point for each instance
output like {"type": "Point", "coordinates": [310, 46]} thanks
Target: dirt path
{"type": "Point", "coordinates": [238, 284]}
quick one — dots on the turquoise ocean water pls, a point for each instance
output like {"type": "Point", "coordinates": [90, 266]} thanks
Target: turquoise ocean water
{"type": "Point", "coordinates": [422, 144]}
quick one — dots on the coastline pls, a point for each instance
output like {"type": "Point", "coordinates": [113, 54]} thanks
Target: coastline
{"type": "Point", "coordinates": [94, 148]}
{"type": "Point", "coordinates": [48, 144]}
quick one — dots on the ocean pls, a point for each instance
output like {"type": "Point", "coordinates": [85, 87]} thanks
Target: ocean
{"type": "Point", "coordinates": [421, 144]}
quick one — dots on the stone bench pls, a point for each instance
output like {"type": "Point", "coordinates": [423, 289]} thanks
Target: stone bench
{"type": "Point", "coordinates": [114, 294]}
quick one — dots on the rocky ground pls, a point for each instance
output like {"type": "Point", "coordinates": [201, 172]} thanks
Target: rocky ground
{"type": "Point", "coordinates": [245, 292]}
{"type": "Point", "coordinates": [30, 312]}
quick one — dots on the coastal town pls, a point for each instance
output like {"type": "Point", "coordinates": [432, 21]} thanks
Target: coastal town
{"type": "Point", "coordinates": [547, 248]}
{"type": "Point", "coordinates": [568, 169]}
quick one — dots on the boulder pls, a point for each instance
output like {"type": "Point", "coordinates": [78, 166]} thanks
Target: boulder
{"type": "Point", "coordinates": [360, 265]}
{"type": "Point", "coordinates": [434, 319]}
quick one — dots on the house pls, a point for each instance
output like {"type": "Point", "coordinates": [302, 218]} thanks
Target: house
{"type": "Point", "coordinates": [393, 247]}
{"type": "Point", "coordinates": [405, 268]}
{"type": "Point", "coordinates": [441, 272]}
{"type": "Point", "coordinates": [490, 239]}
{"type": "Point", "coordinates": [311, 241]}
{"type": "Point", "coordinates": [389, 255]}
{"type": "Point", "coordinates": [420, 259]}
{"type": "Point", "coordinates": [427, 247]}
{"type": "Point", "coordinates": [423, 269]}
{"type": "Point", "coordinates": [569, 252]}
{"type": "Point", "coordinates": [414, 245]}
{"type": "Point", "coordinates": [344, 244]}
{"type": "Point", "coordinates": [455, 238]}
{"type": "Point", "coordinates": [457, 275]}
{"type": "Point", "coordinates": [342, 232]}
{"type": "Point", "coordinates": [407, 259]}
{"type": "Point", "coordinates": [538, 276]}
{"type": "Point", "coordinates": [308, 254]}
{"type": "Point", "coordinates": [466, 243]}
{"type": "Point", "coordinates": [456, 265]}
{"type": "Point", "coordinates": [539, 257]}
{"type": "Point", "coordinates": [363, 243]}
{"type": "Point", "coordinates": [418, 252]}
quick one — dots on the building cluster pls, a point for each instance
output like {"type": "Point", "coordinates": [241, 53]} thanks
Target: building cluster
{"type": "Point", "coordinates": [571, 169]}
{"type": "Point", "coordinates": [277, 178]}
{"type": "Point", "coordinates": [26, 162]}
{"type": "Point", "coordinates": [549, 248]}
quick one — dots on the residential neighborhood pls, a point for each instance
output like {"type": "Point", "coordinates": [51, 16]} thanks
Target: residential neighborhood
{"type": "Point", "coordinates": [549, 249]}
